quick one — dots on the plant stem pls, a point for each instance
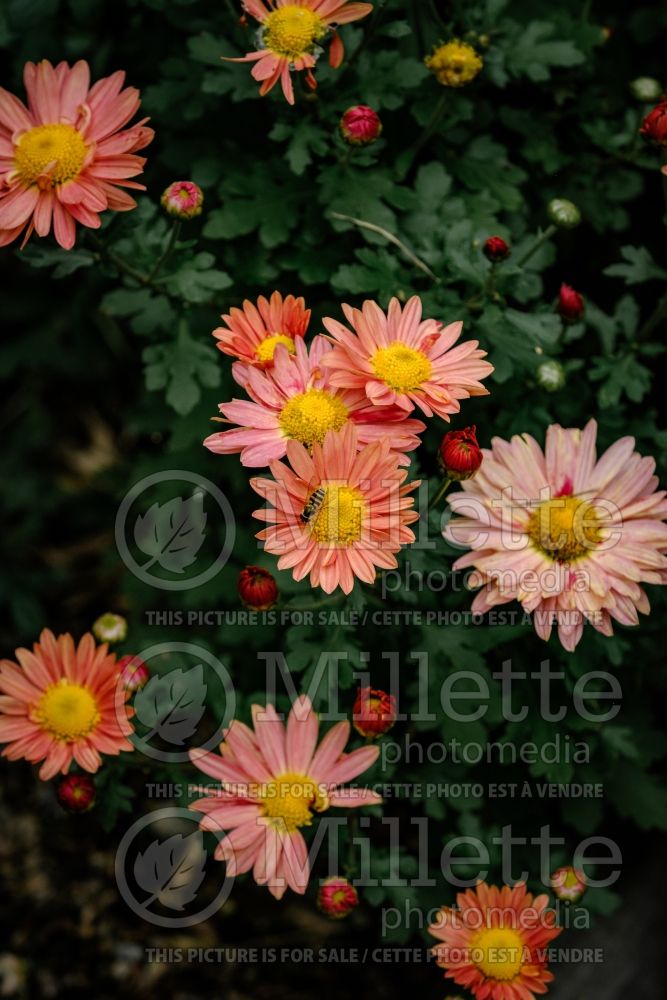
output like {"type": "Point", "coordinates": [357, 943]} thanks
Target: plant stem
{"type": "Point", "coordinates": [542, 238]}
{"type": "Point", "coordinates": [444, 486]}
{"type": "Point", "coordinates": [371, 227]}
{"type": "Point", "coordinates": [655, 319]}
{"type": "Point", "coordinates": [429, 129]}
{"type": "Point", "coordinates": [173, 236]}
{"type": "Point", "coordinates": [145, 280]}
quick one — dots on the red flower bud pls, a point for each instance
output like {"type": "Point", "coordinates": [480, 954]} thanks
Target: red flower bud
{"type": "Point", "coordinates": [496, 249]}
{"type": "Point", "coordinates": [460, 454]}
{"type": "Point", "coordinates": [257, 588]}
{"type": "Point", "coordinates": [374, 712]}
{"type": "Point", "coordinates": [133, 672]}
{"type": "Point", "coordinates": [337, 897]}
{"type": "Point", "coordinates": [654, 126]}
{"type": "Point", "coordinates": [76, 793]}
{"type": "Point", "coordinates": [570, 304]}
{"type": "Point", "coordinates": [360, 126]}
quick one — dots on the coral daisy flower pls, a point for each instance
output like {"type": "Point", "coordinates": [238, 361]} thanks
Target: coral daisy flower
{"type": "Point", "coordinates": [252, 334]}
{"type": "Point", "coordinates": [295, 402]}
{"type": "Point", "coordinates": [399, 360]}
{"type": "Point", "coordinates": [569, 536]}
{"type": "Point", "coordinates": [273, 780]}
{"type": "Point", "coordinates": [291, 35]}
{"type": "Point", "coordinates": [339, 513]}
{"type": "Point", "coordinates": [61, 703]}
{"type": "Point", "coordinates": [66, 157]}
{"type": "Point", "coordinates": [494, 942]}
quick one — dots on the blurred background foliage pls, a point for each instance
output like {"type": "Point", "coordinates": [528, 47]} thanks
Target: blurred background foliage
{"type": "Point", "coordinates": [106, 380]}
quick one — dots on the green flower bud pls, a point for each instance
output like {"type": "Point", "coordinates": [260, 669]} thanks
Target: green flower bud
{"type": "Point", "coordinates": [645, 89]}
{"type": "Point", "coordinates": [563, 213]}
{"type": "Point", "coordinates": [551, 375]}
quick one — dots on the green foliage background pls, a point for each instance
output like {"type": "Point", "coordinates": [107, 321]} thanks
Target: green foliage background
{"type": "Point", "coordinates": [107, 381]}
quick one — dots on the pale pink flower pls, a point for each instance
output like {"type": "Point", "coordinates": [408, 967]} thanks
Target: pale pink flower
{"type": "Point", "coordinates": [570, 536]}
{"type": "Point", "coordinates": [339, 513]}
{"type": "Point", "coordinates": [252, 334]}
{"type": "Point", "coordinates": [294, 401]}
{"type": "Point", "coordinates": [291, 36]}
{"type": "Point", "coordinates": [400, 360]}
{"type": "Point", "coordinates": [62, 703]}
{"type": "Point", "coordinates": [67, 156]}
{"type": "Point", "coordinates": [273, 781]}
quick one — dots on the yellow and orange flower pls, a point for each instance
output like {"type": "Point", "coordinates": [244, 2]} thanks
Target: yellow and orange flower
{"type": "Point", "coordinates": [62, 703]}
{"type": "Point", "coordinates": [67, 156]}
{"type": "Point", "coordinates": [339, 513]}
{"type": "Point", "coordinates": [251, 334]}
{"type": "Point", "coordinates": [494, 943]}
{"type": "Point", "coordinates": [291, 37]}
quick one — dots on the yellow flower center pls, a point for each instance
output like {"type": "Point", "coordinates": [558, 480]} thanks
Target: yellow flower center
{"type": "Point", "coordinates": [54, 152]}
{"type": "Point", "coordinates": [339, 518]}
{"type": "Point", "coordinates": [498, 953]}
{"type": "Point", "coordinates": [67, 711]}
{"type": "Point", "coordinates": [401, 367]}
{"type": "Point", "coordinates": [454, 64]}
{"type": "Point", "coordinates": [569, 879]}
{"type": "Point", "coordinates": [564, 528]}
{"type": "Point", "coordinates": [267, 347]}
{"type": "Point", "coordinates": [292, 31]}
{"type": "Point", "coordinates": [290, 800]}
{"type": "Point", "coordinates": [308, 416]}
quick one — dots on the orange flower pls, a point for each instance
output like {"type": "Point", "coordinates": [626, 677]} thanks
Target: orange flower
{"type": "Point", "coordinates": [63, 703]}
{"type": "Point", "coordinates": [494, 942]}
{"type": "Point", "coordinates": [66, 157]}
{"type": "Point", "coordinates": [338, 514]}
{"type": "Point", "coordinates": [252, 334]}
{"type": "Point", "coordinates": [291, 35]}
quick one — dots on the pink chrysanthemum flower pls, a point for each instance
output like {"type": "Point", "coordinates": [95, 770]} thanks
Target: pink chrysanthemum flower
{"type": "Point", "coordinates": [569, 536]}
{"type": "Point", "coordinates": [63, 703]}
{"type": "Point", "coordinates": [399, 360]}
{"type": "Point", "coordinates": [494, 942]}
{"type": "Point", "coordinates": [252, 334]}
{"type": "Point", "coordinates": [294, 401]}
{"type": "Point", "coordinates": [568, 884]}
{"type": "Point", "coordinates": [64, 158]}
{"type": "Point", "coordinates": [291, 37]}
{"type": "Point", "coordinates": [273, 780]}
{"type": "Point", "coordinates": [339, 513]}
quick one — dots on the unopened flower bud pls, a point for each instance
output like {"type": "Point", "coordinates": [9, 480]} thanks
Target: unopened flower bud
{"type": "Point", "coordinates": [654, 126]}
{"type": "Point", "coordinates": [568, 884]}
{"type": "Point", "coordinates": [183, 200]}
{"type": "Point", "coordinates": [460, 455]}
{"type": "Point", "coordinates": [360, 126]}
{"type": "Point", "coordinates": [257, 588]}
{"type": "Point", "coordinates": [374, 712]}
{"type": "Point", "coordinates": [570, 304]}
{"type": "Point", "coordinates": [496, 249]}
{"type": "Point", "coordinates": [551, 375]}
{"type": "Point", "coordinates": [110, 628]}
{"type": "Point", "coordinates": [337, 897]}
{"type": "Point", "coordinates": [563, 213]}
{"type": "Point", "coordinates": [76, 793]}
{"type": "Point", "coordinates": [645, 89]}
{"type": "Point", "coordinates": [133, 672]}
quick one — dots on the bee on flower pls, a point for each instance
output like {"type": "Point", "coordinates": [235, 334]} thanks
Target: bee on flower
{"type": "Point", "coordinates": [292, 36]}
